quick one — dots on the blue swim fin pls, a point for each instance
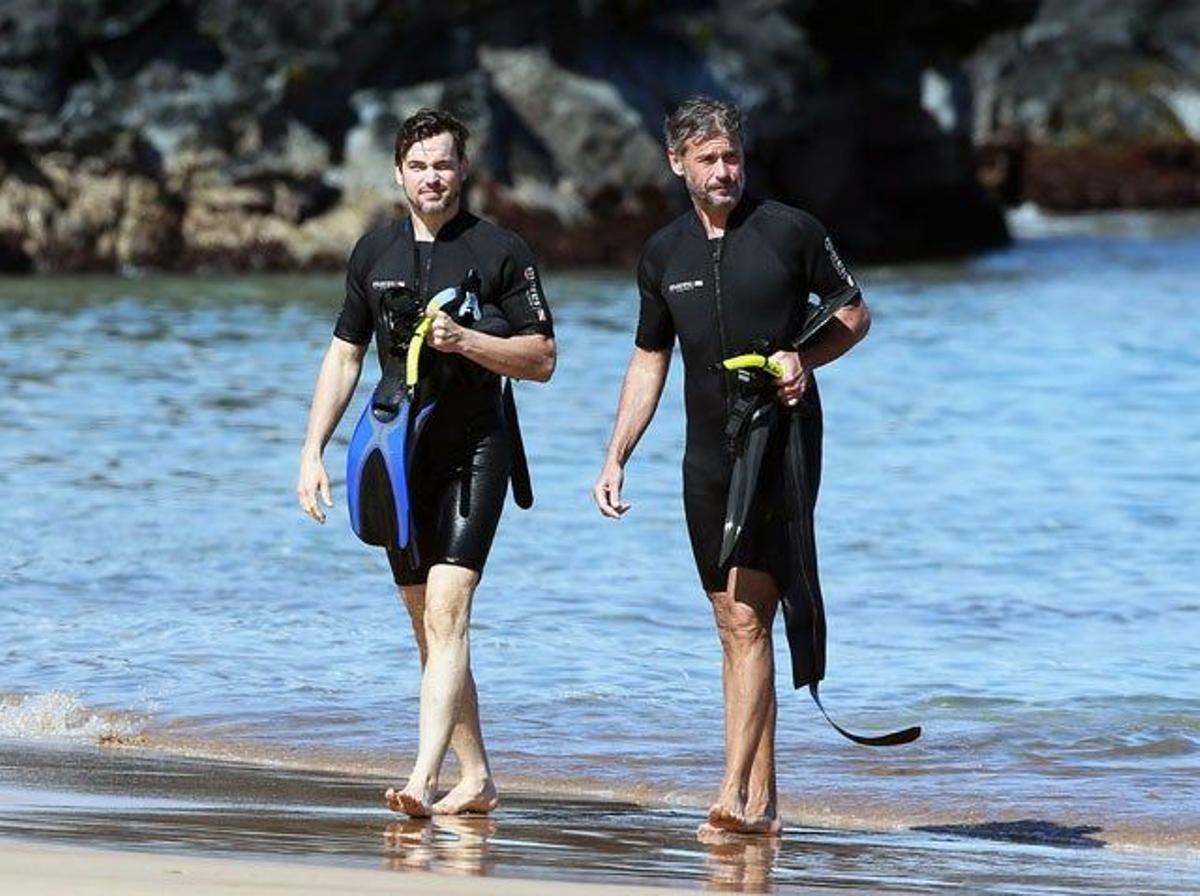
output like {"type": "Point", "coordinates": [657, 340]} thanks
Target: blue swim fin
{"type": "Point", "coordinates": [378, 463]}
{"type": "Point", "coordinates": [377, 476]}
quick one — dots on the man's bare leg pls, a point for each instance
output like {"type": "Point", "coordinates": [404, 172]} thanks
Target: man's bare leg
{"type": "Point", "coordinates": [447, 670]}
{"type": "Point", "coordinates": [744, 614]}
{"type": "Point", "coordinates": [475, 791]}
{"type": "Point", "coordinates": [762, 801]}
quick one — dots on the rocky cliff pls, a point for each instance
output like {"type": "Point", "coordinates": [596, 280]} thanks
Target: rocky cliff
{"type": "Point", "coordinates": [195, 134]}
{"type": "Point", "coordinates": [1092, 105]}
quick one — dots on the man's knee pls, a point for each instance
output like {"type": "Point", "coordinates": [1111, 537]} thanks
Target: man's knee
{"type": "Point", "coordinates": [745, 611]}
{"type": "Point", "coordinates": [446, 618]}
{"type": "Point", "coordinates": [448, 605]}
{"type": "Point", "coordinates": [741, 625]}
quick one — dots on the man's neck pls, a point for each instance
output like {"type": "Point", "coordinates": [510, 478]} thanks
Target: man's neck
{"type": "Point", "coordinates": [714, 219]}
{"type": "Point", "coordinates": [426, 227]}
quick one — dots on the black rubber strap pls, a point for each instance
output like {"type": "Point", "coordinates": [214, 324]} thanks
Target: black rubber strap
{"type": "Point", "coordinates": [522, 487]}
{"type": "Point", "coordinates": [905, 736]}
{"type": "Point", "coordinates": [739, 414]}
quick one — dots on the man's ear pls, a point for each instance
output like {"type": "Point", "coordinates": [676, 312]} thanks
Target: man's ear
{"type": "Point", "coordinates": [675, 162]}
{"type": "Point", "coordinates": [399, 178]}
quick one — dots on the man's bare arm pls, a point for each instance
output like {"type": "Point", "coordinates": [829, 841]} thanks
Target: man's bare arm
{"type": "Point", "coordinates": [530, 357]}
{"type": "Point", "coordinates": [847, 328]}
{"type": "Point", "coordinates": [640, 392]}
{"type": "Point", "coordinates": [335, 386]}
{"type": "Point", "coordinates": [844, 330]}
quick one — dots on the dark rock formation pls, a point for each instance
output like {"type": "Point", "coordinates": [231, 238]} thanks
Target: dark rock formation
{"type": "Point", "coordinates": [213, 133]}
{"type": "Point", "coordinates": [1093, 104]}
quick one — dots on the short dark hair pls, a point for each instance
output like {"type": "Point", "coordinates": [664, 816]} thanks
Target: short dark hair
{"type": "Point", "coordinates": [426, 123]}
{"type": "Point", "coordinates": [701, 116]}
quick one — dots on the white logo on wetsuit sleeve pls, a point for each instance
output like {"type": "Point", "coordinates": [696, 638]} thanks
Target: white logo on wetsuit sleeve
{"type": "Point", "coordinates": [387, 284]}
{"type": "Point", "coordinates": [535, 298]}
{"type": "Point", "coordinates": [685, 286]}
{"type": "Point", "coordinates": [836, 261]}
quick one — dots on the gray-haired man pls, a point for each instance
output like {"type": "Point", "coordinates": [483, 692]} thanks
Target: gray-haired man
{"type": "Point", "coordinates": [733, 277]}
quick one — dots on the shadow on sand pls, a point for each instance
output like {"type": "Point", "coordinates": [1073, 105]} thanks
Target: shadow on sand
{"type": "Point", "coordinates": [1026, 830]}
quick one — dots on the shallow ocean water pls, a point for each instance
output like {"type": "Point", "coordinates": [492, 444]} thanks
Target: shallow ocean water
{"type": "Point", "coordinates": [1007, 533]}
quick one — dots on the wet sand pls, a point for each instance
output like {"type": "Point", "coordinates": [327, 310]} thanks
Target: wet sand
{"type": "Point", "coordinates": [63, 871]}
{"type": "Point", "coordinates": [59, 871]}
{"type": "Point", "coordinates": [331, 831]}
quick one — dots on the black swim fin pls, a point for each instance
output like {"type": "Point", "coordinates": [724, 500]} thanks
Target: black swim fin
{"type": "Point", "coordinates": [803, 602]}
{"type": "Point", "coordinates": [743, 481]}
{"type": "Point", "coordinates": [755, 416]}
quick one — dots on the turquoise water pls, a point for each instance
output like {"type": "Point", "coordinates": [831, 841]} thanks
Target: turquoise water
{"type": "Point", "coordinates": [1007, 529]}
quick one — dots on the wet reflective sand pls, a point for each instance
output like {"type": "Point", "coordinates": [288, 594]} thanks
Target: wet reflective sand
{"type": "Point", "coordinates": [129, 799]}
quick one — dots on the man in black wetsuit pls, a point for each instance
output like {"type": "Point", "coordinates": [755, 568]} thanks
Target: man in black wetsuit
{"type": "Point", "coordinates": [733, 274]}
{"type": "Point", "coordinates": [463, 451]}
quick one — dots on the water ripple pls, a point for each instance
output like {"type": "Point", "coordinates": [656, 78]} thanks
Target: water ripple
{"type": "Point", "coordinates": [1006, 521]}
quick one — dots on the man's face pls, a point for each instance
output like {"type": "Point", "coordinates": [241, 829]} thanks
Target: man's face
{"type": "Point", "coordinates": [712, 168]}
{"type": "Point", "coordinates": [431, 175]}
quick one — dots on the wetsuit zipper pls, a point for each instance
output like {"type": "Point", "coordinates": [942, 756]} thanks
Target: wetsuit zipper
{"type": "Point", "coordinates": [718, 244]}
{"type": "Point", "coordinates": [425, 277]}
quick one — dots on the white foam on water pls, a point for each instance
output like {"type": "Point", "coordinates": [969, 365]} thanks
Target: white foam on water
{"type": "Point", "coordinates": [1030, 221]}
{"type": "Point", "coordinates": [61, 715]}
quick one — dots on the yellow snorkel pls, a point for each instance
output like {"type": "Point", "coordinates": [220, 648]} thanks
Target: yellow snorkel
{"type": "Point", "coordinates": [413, 358]}
{"type": "Point", "coordinates": [753, 362]}
{"type": "Point", "coordinates": [469, 307]}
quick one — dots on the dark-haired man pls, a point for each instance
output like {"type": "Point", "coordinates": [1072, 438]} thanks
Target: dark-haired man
{"type": "Point", "coordinates": [463, 461]}
{"type": "Point", "coordinates": [730, 276]}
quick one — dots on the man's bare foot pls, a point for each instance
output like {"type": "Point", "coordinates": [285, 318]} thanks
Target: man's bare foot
{"type": "Point", "coordinates": [468, 797]}
{"type": "Point", "coordinates": [413, 805]}
{"type": "Point", "coordinates": [725, 818]}
{"type": "Point", "coordinates": [722, 819]}
{"type": "Point", "coordinates": [764, 824]}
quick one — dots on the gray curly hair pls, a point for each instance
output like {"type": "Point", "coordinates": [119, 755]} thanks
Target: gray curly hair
{"type": "Point", "coordinates": [701, 116]}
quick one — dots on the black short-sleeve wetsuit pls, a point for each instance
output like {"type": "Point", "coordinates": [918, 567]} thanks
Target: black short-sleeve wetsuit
{"type": "Point", "coordinates": [462, 461]}
{"type": "Point", "coordinates": [720, 297]}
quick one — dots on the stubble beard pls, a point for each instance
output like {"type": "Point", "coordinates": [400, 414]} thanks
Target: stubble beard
{"type": "Point", "coordinates": [436, 207]}
{"type": "Point", "coordinates": [710, 200]}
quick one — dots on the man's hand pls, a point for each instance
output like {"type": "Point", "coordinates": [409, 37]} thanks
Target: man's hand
{"type": "Point", "coordinates": [607, 490]}
{"type": "Point", "coordinates": [447, 336]}
{"type": "Point", "coordinates": [791, 385]}
{"type": "Point", "coordinates": [313, 480]}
